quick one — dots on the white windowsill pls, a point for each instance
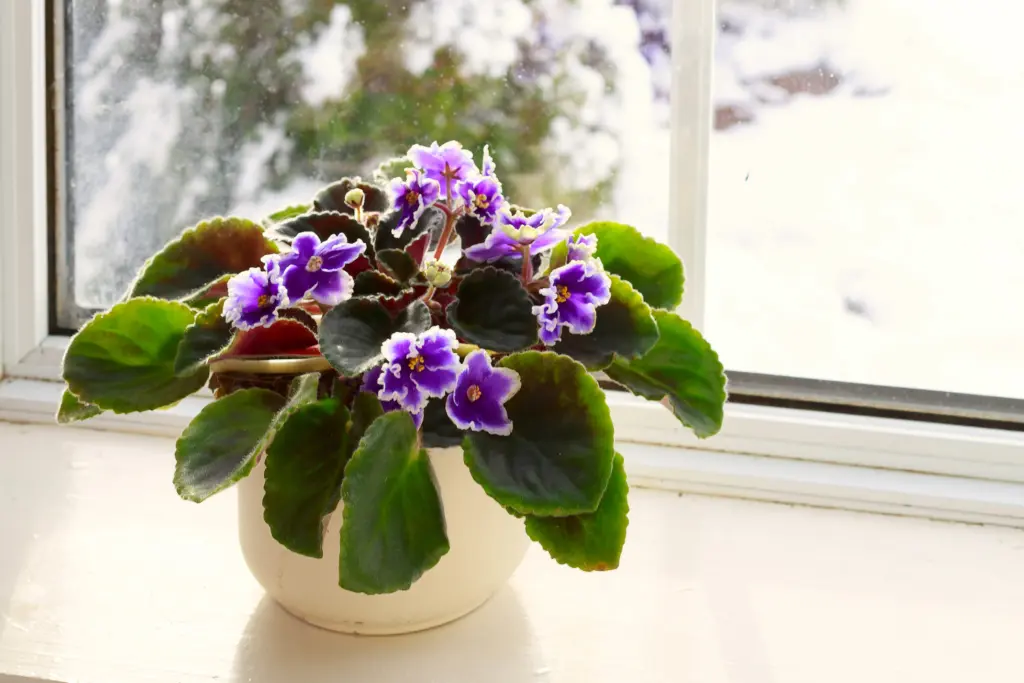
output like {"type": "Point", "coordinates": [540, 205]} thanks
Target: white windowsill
{"type": "Point", "coordinates": [107, 577]}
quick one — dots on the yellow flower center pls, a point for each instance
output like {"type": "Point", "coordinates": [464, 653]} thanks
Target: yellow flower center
{"type": "Point", "coordinates": [412, 197]}
{"type": "Point", "coordinates": [263, 301]}
{"type": "Point", "coordinates": [562, 294]}
{"type": "Point", "coordinates": [481, 201]}
{"type": "Point", "coordinates": [473, 393]}
{"type": "Point", "coordinates": [416, 364]}
{"type": "Point", "coordinates": [315, 263]}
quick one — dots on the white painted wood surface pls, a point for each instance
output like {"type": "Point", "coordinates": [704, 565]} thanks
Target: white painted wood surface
{"type": "Point", "coordinates": [106, 577]}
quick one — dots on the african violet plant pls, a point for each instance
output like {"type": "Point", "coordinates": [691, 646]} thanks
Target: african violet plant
{"type": "Point", "coordinates": [416, 339]}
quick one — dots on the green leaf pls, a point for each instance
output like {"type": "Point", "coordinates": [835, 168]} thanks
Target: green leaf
{"type": "Point", "coordinates": [123, 360]}
{"type": "Point", "coordinates": [624, 326]}
{"type": "Point", "coordinates": [375, 283]}
{"type": "Point", "coordinates": [305, 462]}
{"type": "Point", "coordinates": [398, 264]}
{"type": "Point", "coordinates": [352, 332]}
{"type": "Point", "coordinates": [682, 371]}
{"type": "Point", "coordinates": [200, 256]}
{"type": "Point", "coordinates": [220, 445]}
{"type": "Point", "coordinates": [332, 197]}
{"type": "Point", "coordinates": [438, 429]}
{"type": "Point", "coordinates": [493, 310]}
{"type": "Point", "coordinates": [591, 542]}
{"type": "Point", "coordinates": [73, 410]}
{"type": "Point", "coordinates": [286, 213]}
{"type": "Point", "coordinates": [431, 221]}
{"type": "Point", "coordinates": [205, 338]}
{"type": "Point", "coordinates": [558, 459]}
{"type": "Point", "coordinates": [651, 267]}
{"type": "Point", "coordinates": [393, 527]}
{"type": "Point", "coordinates": [325, 224]}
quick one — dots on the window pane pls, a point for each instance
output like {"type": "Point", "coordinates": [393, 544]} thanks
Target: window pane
{"type": "Point", "coordinates": [183, 109]}
{"type": "Point", "coordinates": [865, 218]}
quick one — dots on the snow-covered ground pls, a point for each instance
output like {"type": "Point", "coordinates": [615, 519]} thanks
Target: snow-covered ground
{"type": "Point", "coordinates": [866, 229]}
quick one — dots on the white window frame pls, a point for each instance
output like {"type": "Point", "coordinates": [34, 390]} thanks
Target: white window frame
{"type": "Point", "coordinates": [767, 453]}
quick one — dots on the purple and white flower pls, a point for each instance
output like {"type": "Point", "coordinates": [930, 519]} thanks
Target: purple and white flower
{"type": "Point", "coordinates": [581, 248]}
{"type": "Point", "coordinates": [253, 298]}
{"type": "Point", "coordinates": [371, 384]}
{"type": "Point", "coordinates": [412, 197]}
{"type": "Point", "coordinates": [571, 300]}
{"type": "Point", "coordinates": [418, 368]}
{"type": "Point", "coordinates": [315, 268]}
{"type": "Point", "coordinates": [514, 231]}
{"type": "Point", "coordinates": [487, 166]}
{"type": "Point", "coordinates": [477, 402]}
{"type": "Point", "coordinates": [482, 197]}
{"type": "Point", "coordinates": [448, 162]}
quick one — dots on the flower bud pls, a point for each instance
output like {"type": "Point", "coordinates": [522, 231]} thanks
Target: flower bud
{"type": "Point", "coordinates": [354, 198]}
{"type": "Point", "coordinates": [437, 273]}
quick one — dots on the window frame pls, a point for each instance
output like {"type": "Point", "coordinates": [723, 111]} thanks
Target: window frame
{"type": "Point", "coordinates": [755, 436]}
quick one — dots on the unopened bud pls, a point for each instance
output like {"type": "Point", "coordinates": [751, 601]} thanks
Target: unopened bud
{"type": "Point", "coordinates": [437, 273]}
{"type": "Point", "coordinates": [354, 198]}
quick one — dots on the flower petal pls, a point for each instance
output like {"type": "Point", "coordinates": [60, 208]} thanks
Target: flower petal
{"type": "Point", "coordinates": [332, 287]}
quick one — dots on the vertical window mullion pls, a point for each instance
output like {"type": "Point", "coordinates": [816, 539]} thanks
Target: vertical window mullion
{"type": "Point", "coordinates": [693, 37]}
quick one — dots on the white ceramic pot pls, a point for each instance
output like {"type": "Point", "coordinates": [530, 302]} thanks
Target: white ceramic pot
{"type": "Point", "coordinates": [487, 544]}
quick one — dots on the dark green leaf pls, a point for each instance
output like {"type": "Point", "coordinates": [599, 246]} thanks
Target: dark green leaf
{"type": "Point", "coordinates": [431, 221]}
{"type": "Point", "coordinates": [398, 264]}
{"type": "Point", "coordinates": [300, 316]}
{"type": "Point", "coordinates": [352, 332]}
{"type": "Point", "coordinates": [332, 197]}
{"type": "Point", "coordinates": [205, 338]}
{"type": "Point", "coordinates": [438, 429]}
{"type": "Point", "coordinates": [393, 527]}
{"type": "Point", "coordinates": [220, 445]}
{"type": "Point", "coordinates": [682, 371]}
{"type": "Point", "coordinates": [593, 541]}
{"type": "Point", "coordinates": [305, 462]}
{"type": "Point", "coordinates": [624, 326]}
{"type": "Point", "coordinates": [123, 360]}
{"type": "Point", "coordinates": [286, 213]}
{"type": "Point", "coordinates": [325, 224]}
{"type": "Point", "coordinates": [202, 255]}
{"type": "Point", "coordinates": [375, 283]}
{"type": "Point", "coordinates": [493, 310]}
{"type": "Point", "coordinates": [652, 268]}
{"type": "Point", "coordinates": [73, 410]}
{"type": "Point", "coordinates": [558, 459]}
{"type": "Point", "coordinates": [471, 231]}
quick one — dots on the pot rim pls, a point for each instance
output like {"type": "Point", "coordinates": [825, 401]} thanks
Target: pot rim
{"type": "Point", "coordinates": [271, 366]}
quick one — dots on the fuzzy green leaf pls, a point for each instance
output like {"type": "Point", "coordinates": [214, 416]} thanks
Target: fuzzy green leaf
{"type": "Point", "coordinates": [493, 310]}
{"type": "Point", "coordinates": [376, 283]}
{"type": "Point", "coordinates": [591, 542]}
{"type": "Point", "coordinates": [652, 268]}
{"type": "Point", "coordinates": [397, 263]}
{"type": "Point", "coordinates": [286, 213]}
{"type": "Point", "coordinates": [351, 333]}
{"type": "Point", "coordinates": [393, 527]}
{"type": "Point", "coordinates": [123, 360]}
{"type": "Point", "coordinates": [220, 445]}
{"type": "Point", "coordinates": [73, 410]}
{"type": "Point", "coordinates": [205, 338]}
{"type": "Point", "coordinates": [324, 224]}
{"type": "Point", "coordinates": [681, 371]}
{"type": "Point", "coordinates": [624, 326]}
{"type": "Point", "coordinates": [188, 265]}
{"type": "Point", "coordinates": [305, 462]}
{"type": "Point", "coordinates": [332, 197]}
{"type": "Point", "coordinates": [438, 429]}
{"type": "Point", "coordinates": [558, 459]}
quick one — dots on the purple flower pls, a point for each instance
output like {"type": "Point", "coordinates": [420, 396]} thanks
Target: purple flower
{"type": "Point", "coordinates": [581, 248]}
{"type": "Point", "coordinates": [571, 300]}
{"type": "Point", "coordinates": [482, 197]}
{"type": "Point", "coordinates": [487, 163]}
{"type": "Point", "coordinates": [371, 384]}
{"type": "Point", "coordinates": [448, 162]}
{"type": "Point", "coordinates": [315, 268]}
{"type": "Point", "coordinates": [411, 197]}
{"type": "Point", "coordinates": [477, 402]}
{"type": "Point", "coordinates": [253, 298]}
{"type": "Point", "coordinates": [540, 232]}
{"type": "Point", "coordinates": [418, 368]}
